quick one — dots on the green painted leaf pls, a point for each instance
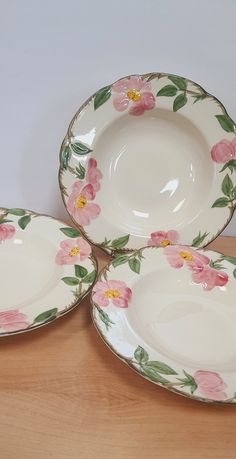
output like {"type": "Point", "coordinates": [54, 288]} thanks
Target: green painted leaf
{"type": "Point", "coordinates": [80, 171]}
{"type": "Point", "coordinates": [80, 271]}
{"type": "Point", "coordinates": [189, 377]}
{"type": "Point", "coordinates": [180, 82]}
{"type": "Point", "coordinates": [193, 387]}
{"type": "Point", "coordinates": [102, 96]}
{"type": "Point", "coordinates": [65, 156]}
{"type": "Point", "coordinates": [70, 280]}
{"type": "Point", "coordinates": [226, 123]}
{"type": "Point", "coordinates": [161, 367]}
{"type": "Point", "coordinates": [105, 243]}
{"type": "Point", "coordinates": [80, 149]}
{"type": "Point", "coordinates": [105, 318]}
{"type": "Point", "coordinates": [230, 164]}
{"type": "Point", "coordinates": [168, 91]}
{"type": "Point", "coordinates": [221, 202]}
{"type": "Point", "coordinates": [230, 259]}
{"type": "Point", "coordinates": [179, 102]}
{"type": "Point", "coordinates": [198, 240]}
{"type": "Point", "coordinates": [234, 273]}
{"type": "Point", "coordinates": [199, 97]}
{"type": "Point", "coordinates": [120, 260]}
{"type": "Point", "coordinates": [152, 374]}
{"type": "Point", "coordinates": [24, 221]}
{"type": "Point", "coordinates": [141, 355]}
{"type": "Point", "coordinates": [18, 212]}
{"type": "Point", "coordinates": [134, 265]}
{"type": "Point", "coordinates": [227, 186]}
{"type": "Point", "coordinates": [70, 232]}
{"type": "Point", "coordinates": [89, 278]}
{"type": "Point", "coordinates": [216, 265]}
{"type": "Point", "coordinates": [188, 381]}
{"type": "Point", "coordinates": [120, 242]}
{"type": "Point", "coordinates": [45, 316]}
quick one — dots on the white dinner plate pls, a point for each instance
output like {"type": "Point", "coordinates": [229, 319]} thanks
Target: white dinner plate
{"type": "Point", "coordinates": [146, 156]}
{"type": "Point", "coordinates": [46, 268]}
{"type": "Point", "coordinates": [170, 314]}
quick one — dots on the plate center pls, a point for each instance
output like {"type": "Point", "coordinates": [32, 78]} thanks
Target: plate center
{"type": "Point", "coordinates": [27, 271]}
{"type": "Point", "coordinates": [182, 321]}
{"type": "Point", "coordinates": [156, 168]}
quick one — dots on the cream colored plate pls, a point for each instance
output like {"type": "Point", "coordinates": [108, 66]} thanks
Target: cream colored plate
{"type": "Point", "coordinates": [46, 268]}
{"type": "Point", "coordinates": [174, 319]}
{"type": "Point", "coordinates": [146, 155]}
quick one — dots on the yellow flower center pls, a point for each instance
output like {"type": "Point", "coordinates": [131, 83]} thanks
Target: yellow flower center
{"type": "Point", "coordinates": [74, 252]}
{"type": "Point", "coordinates": [165, 242]}
{"type": "Point", "coordinates": [80, 202]}
{"type": "Point", "coordinates": [186, 256]}
{"type": "Point", "coordinates": [112, 294]}
{"type": "Point", "coordinates": [134, 95]}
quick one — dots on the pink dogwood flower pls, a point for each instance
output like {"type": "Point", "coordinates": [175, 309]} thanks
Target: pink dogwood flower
{"type": "Point", "coordinates": [224, 151]}
{"type": "Point", "coordinates": [93, 174]}
{"type": "Point", "coordinates": [73, 251]}
{"type": "Point", "coordinates": [6, 232]}
{"type": "Point", "coordinates": [163, 238]}
{"type": "Point", "coordinates": [13, 320]}
{"type": "Point", "coordinates": [133, 93]}
{"type": "Point", "coordinates": [178, 255]}
{"type": "Point", "coordinates": [208, 277]}
{"type": "Point", "coordinates": [113, 290]}
{"type": "Point", "coordinates": [79, 204]}
{"type": "Point", "coordinates": [210, 385]}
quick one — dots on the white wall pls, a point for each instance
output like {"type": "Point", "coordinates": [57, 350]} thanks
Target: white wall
{"type": "Point", "coordinates": [55, 53]}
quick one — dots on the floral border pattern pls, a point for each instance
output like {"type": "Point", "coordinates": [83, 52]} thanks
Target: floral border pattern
{"type": "Point", "coordinates": [224, 152]}
{"type": "Point", "coordinates": [70, 252]}
{"type": "Point", "coordinates": [204, 271]}
{"type": "Point", "coordinates": [207, 386]}
{"type": "Point", "coordinates": [135, 95]}
{"type": "Point", "coordinates": [135, 91]}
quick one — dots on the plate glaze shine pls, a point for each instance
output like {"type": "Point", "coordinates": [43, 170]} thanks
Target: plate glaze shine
{"type": "Point", "coordinates": [148, 154]}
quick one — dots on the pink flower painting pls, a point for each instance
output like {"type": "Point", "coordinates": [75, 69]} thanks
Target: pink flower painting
{"type": "Point", "coordinates": [224, 151]}
{"type": "Point", "coordinates": [198, 264]}
{"type": "Point", "coordinates": [208, 277]}
{"type": "Point", "coordinates": [79, 203]}
{"type": "Point", "coordinates": [6, 232]}
{"type": "Point", "coordinates": [73, 251]}
{"type": "Point", "coordinates": [114, 291]}
{"type": "Point", "coordinates": [178, 255]}
{"type": "Point", "coordinates": [210, 385]}
{"type": "Point", "coordinates": [13, 320]}
{"type": "Point", "coordinates": [93, 174]}
{"type": "Point", "coordinates": [163, 238]}
{"type": "Point", "coordinates": [133, 94]}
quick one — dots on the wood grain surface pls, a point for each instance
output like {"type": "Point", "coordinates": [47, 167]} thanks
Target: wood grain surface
{"type": "Point", "coordinates": [64, 395]}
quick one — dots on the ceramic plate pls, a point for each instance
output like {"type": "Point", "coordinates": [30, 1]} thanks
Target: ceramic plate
{"type": "Point", "coordinates": [170, 314]}
{"type": "Point", "coordinates": [46, 268]}
{"type": "Point", "coordinates": [148, 155]}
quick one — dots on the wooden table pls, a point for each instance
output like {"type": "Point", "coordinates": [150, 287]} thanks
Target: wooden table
{"type": "Point", "coordinates": [64, 395]}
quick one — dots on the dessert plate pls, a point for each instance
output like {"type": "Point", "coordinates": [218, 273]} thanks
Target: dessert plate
{"type": "Point", "coordinates": [173, 320]}
{"type": "Point", "coordinates": [46, 268]}
{"type": "Point", "coordinates": [145, 156]}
